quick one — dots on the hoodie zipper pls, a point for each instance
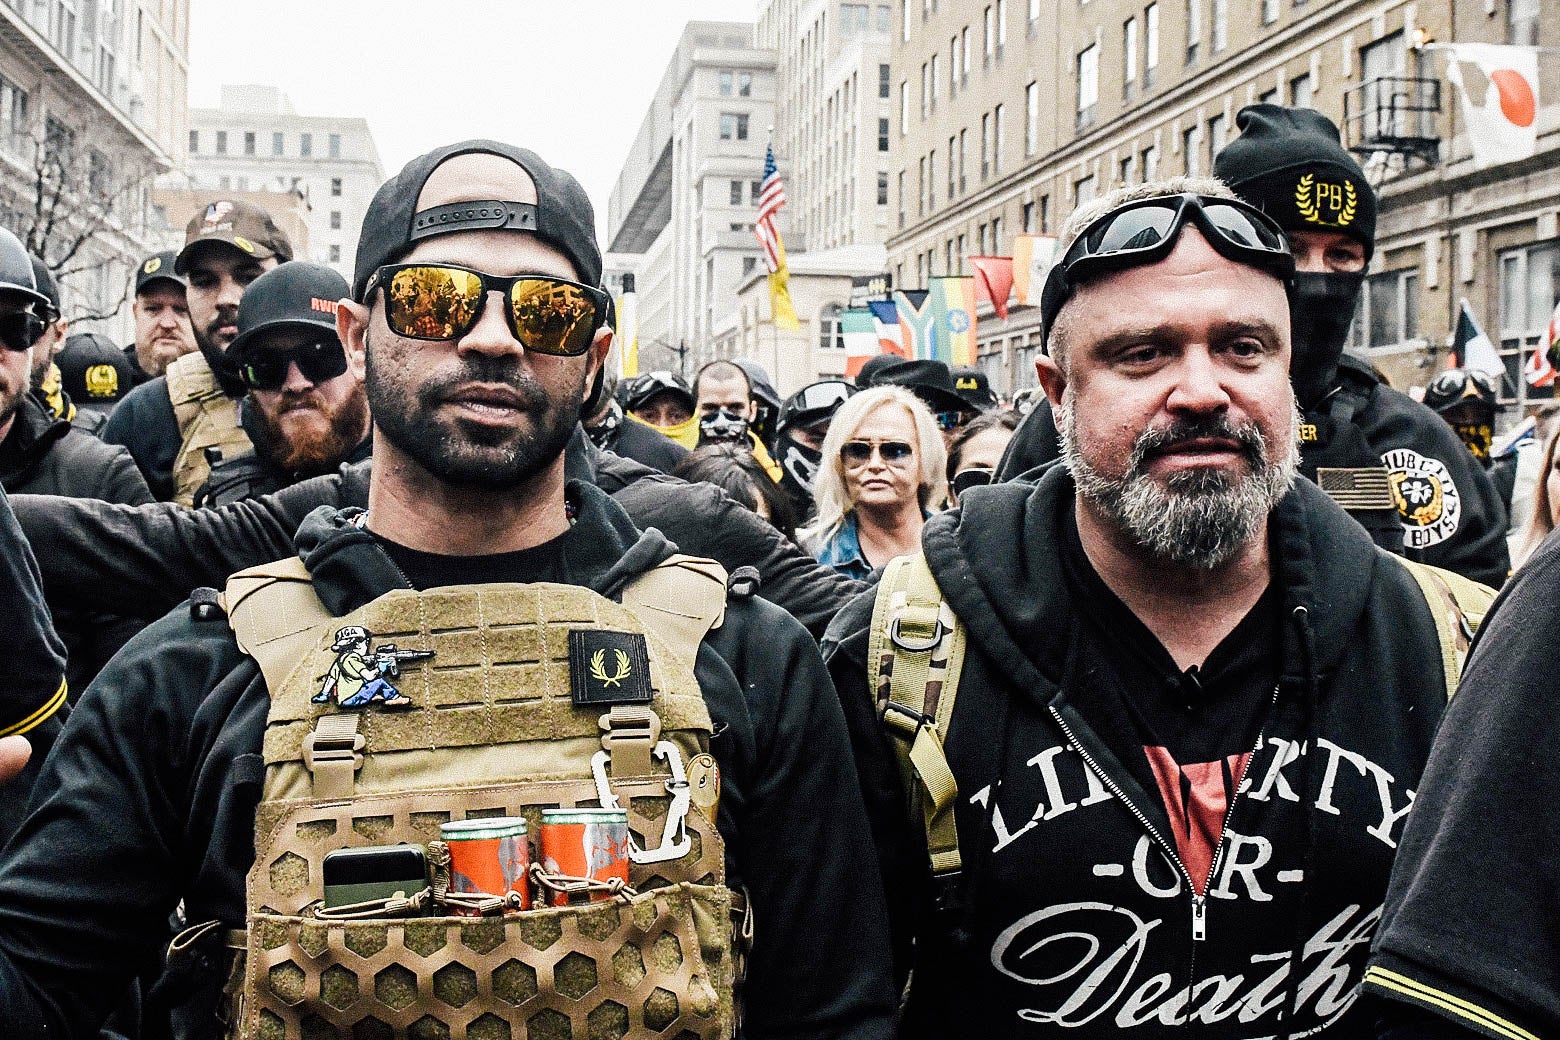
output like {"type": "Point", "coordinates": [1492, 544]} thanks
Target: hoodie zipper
{"type": "Point", "coordinates": [1199, 902]}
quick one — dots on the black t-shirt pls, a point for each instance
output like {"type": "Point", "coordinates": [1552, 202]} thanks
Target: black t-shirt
{"type": "Point", "coordinates": [427, 570]}
{"type": "Point", "coordinates": [1194, 729]}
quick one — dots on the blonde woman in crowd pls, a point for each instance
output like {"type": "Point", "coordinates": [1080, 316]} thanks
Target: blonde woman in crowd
{"type": "Point", "coordinates": [880, 478]}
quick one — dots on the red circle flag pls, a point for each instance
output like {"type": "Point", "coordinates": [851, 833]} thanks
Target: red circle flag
{"type": "Point", "coordinates": [1517, 103]}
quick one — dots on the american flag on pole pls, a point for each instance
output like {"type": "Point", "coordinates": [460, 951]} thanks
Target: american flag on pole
{"type": "Point", "coordinates": [771, 196]}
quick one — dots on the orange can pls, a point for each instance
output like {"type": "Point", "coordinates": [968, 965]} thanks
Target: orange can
{"type": "Point", "coordinates": [489, 856]}
{"type": "Point", "coordinates": [585, 843]}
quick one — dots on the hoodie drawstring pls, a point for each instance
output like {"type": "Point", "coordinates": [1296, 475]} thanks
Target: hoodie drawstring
{"type": "Point", "coordinates": [1312, 732]}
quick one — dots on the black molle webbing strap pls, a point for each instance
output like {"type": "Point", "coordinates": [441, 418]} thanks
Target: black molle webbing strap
{"type": "Point", "coordinates": [473, 216]}
{"type": "Point", "coordinates": [915, 653]}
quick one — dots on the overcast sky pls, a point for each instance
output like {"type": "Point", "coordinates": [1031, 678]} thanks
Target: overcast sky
{"type": "Point", "coordinates": [570, 79]}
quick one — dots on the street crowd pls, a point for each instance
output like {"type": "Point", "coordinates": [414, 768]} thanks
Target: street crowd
{"type": "Point", "coordinates": [381, 664]}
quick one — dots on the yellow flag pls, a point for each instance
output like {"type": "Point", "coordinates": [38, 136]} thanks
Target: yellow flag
{"type": "Point", "coordinates": [628, 334]}
{"type": "Point", "coordinates": [780, 292]}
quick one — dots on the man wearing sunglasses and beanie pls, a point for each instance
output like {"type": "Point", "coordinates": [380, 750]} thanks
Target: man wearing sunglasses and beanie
{"type": "Point", "coordinates": [477, 316]}
{"type": "Point", "coordinates": [1160, 713]}
{"type": "Point", "coordinates": [306, 409]}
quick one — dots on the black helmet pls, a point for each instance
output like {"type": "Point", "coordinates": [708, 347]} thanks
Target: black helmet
{"type": "Point", "coordinates": [16, 271]}
{"type": "Point", "coordinates": [1458, 386]}
{"type": "Point", "coordinates": [651, 383]}
{"type": "Point", "coordinates": [814, 403]}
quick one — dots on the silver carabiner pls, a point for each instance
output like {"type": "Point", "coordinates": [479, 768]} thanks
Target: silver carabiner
{"type": "Point", "coordinates": [675, 842]}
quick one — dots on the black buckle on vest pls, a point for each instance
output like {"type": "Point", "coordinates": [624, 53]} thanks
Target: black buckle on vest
{"type": "Point", "coordinates": [912, 645]}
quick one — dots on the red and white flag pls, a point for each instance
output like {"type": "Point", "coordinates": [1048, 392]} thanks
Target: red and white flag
{"type": "Point", "coordinates": [1540, 370]}
{"type": "Point", "coordinates": [1500, 102]}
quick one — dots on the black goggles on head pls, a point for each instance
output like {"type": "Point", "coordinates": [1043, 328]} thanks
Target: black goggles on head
{"type": "Point", "coordinates": [1451, 387]}
{"type": "Point", "coordinates": [262, 369]}
{"type": "Point", "coordinates": [547, 315]}
{"type": "Point", "coordinates": [1145, 232]}
{"type": "Point", "coordinates": [19, 330]}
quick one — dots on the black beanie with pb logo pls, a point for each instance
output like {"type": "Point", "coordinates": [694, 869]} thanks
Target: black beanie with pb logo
{"type": "Point", "coordinates": [1289, 163]}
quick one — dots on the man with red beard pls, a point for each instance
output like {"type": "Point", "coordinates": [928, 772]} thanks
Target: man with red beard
{"type": "Point", "coordinates": [175, 424]}
{"type": "Point", "coordinates": [306, 410]}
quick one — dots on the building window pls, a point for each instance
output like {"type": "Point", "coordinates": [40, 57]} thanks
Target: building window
{"type": "Point", "coordinates": [884, 18]}
{"type": "Point", "coordinates": [1088, 68]}
{"type": "Point", "coordinates": [1125, 170]}
{"type": "Point", "coordinates": [1216, 138]}
{"type": "Point", "coordinates": [985, 146]}
{"type": "Point", "coordinates": [1191, 145]}
{"type": "Point", "coordinates": [904, 107]}
{"type": "Point", "coordinates": [1031, 118]}
{"type": "Point", "coordinates": [13, 117]}
{"type": "Point", "coordinates": [830, 335]}
{"type": "Point", "coordinates": [883, 91]}
{"type": "Point", "coordinates": [1529, 289]}
{"type": "Point", "coordinates": [194, 139]}
{"type": "Point", "coordinates": [221, 142]}
{"type": "Point", "coordinates": [1083, 191]}
{"type": "Point", "coordinates": [335, 220]}
{"type": "Point", "coordinates": [901, 198]}
{"type": "Point", "coordinates": [224, 183]}
{"type": "Point", "coordinates": [306, 145]}
{"type": "Point", "coordinates": [1001, 25]}
{"type": "Point", "coordinates": [748, 264]}
{"type": "Point", "coordinates": [249, 142]}
{"type": "Point", "coordinates": [755, 188]}
{"type": "Point", "coordinates": [1045, 214]}
{"type": "Point", "coordinates": [982, 241]}
{"type": "Point", "coordinates": [1028, 216]}
{"type": "Point", "coordinates": [964, 154]}
{"type": "Point", "coordinates": [953, 65]}
{"type": "Point", "coordinates": [335, 187]}
{"type": "Point", "coordinates": [953, 148]}
{"type": "Point", "coordinates": [1300, 91]}
{"type": "Point", "coordinates": [904, 20]}
{"type": "Point", "coordinates": [991, 33]}
{"type": "Point", "coordinates": [744, 84]}
{"type": "Point", "coordinates": [1150, 44]}
{"type": "Point", "coordinates": [733, 126]}
{"type": "Point", "coordinates": [936, 76]}
{"type": "Point", "coordinates": [1193, 29]}
{"type": "Point", "coordinates": [964, 52]}
{"type": "Point", "coordinates": [1221, 25]}
{"type": "Point", "coordinates": [931, 180]}
{"type": "Point", "coordinates": [1269, 11]}
{"type": "Point", "coordinates": [882, 191]}
{"type": "Point", "coordinates": [948, 256]}
{"type": "Point", "coordinates": [1034, 10]}
{"type": "Point", "coordinates": [736, 193]}
{"type": "Point", "coordinates": [333, 143]}
{"type": "Point", "coordinates": [920, 187]}
{"type": "Point", "coordinates": [726, 81]}
{"type": "Point", "coordinates": [1522, 22]}
{"type": "Point", "coordinates": [335, 254]}
{"type": "Point", "coordinates": [1269, 97]}
{"type": "Point", "coordinates": [1150, 163]}
{"type": "Point", "coordinates": [1389, 311]}
{"type": "Point", "coordinates": [1001, 139]}
{"type": "Point", "coordinates": [883, 135]}
{"type": "Point", "coordinates": [926, 88]}
{"type": "Point", "coordinates": [1129, 57]}
{"type": "Point", "coordinates": [1386, 58]}
{"type": "Point", "coordinates": [855, 19]}
{"type": "Point", "coordinates": [277, 146]}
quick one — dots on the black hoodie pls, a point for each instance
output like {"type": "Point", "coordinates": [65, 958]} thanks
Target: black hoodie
{"type": "Point", "coordinates": [149, 796]}
{"type": "Point", "coordinates": [1074, 914]}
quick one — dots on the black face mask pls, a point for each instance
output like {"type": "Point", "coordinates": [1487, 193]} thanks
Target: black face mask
{"type": "Point", "coordinates": [799, 462]}
{"type": "Point", "coordinates": [1321, 307]}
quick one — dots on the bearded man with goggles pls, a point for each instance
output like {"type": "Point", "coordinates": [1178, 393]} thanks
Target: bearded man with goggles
{"type": "Point", "coordinates": [1159, 713]}
{"type": "Point", "coordinates": [1387, 458]}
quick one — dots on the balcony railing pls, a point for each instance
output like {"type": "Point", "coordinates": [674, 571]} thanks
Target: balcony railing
{"type": "Point", "coordinates": [1394, 114]}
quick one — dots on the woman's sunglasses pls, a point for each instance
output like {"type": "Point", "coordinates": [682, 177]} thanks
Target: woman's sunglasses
{"type": "Point", "coordinates": [318, 362]}
{"type": "Point", "coordinates": [859, 453]}
{"type": "Point", "coordinates": [552, 316]}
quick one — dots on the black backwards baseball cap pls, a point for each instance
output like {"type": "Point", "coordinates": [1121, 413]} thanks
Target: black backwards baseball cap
{"type": "Point", "coordinates": [561, 216]}
{"type": "Point", "coordinates": [94, 371]}
{"type": "Point", "coordinates": [294, 295]}
{"type": "Point", "coordinates": [242, 225]}
{"type": "Point", "coordinates": [1290, 163]}
{"type": "Point", "coordinates": [159, 267]}
{"type": "Point", "coordinates": [974, 385]}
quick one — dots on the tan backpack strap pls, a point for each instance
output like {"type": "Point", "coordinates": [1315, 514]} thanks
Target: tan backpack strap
{"type": "Point", "coordinates": [915, 652]}
{"type": "Point", "coordinates": [274, 613]}
{"type": "Point", "coordinates": [1458, 605]}
{"type": "Point", "coordinates": [681, 600]}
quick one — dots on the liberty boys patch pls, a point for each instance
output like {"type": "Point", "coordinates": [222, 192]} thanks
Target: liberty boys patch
{"type": "Point", "coordinates": [1427, 500]}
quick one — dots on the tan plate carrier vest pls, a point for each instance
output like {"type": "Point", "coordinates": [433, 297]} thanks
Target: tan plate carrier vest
{"type": "Point", "coordinates": [208, 418]}
{"type": "Point", "coordinates": [915, 655]}
{"type": "Point", "coordinates": [493, 731]}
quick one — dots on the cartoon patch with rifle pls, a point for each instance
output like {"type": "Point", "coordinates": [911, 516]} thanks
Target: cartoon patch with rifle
{"type": "Point", "coordinates": [360, 676]}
